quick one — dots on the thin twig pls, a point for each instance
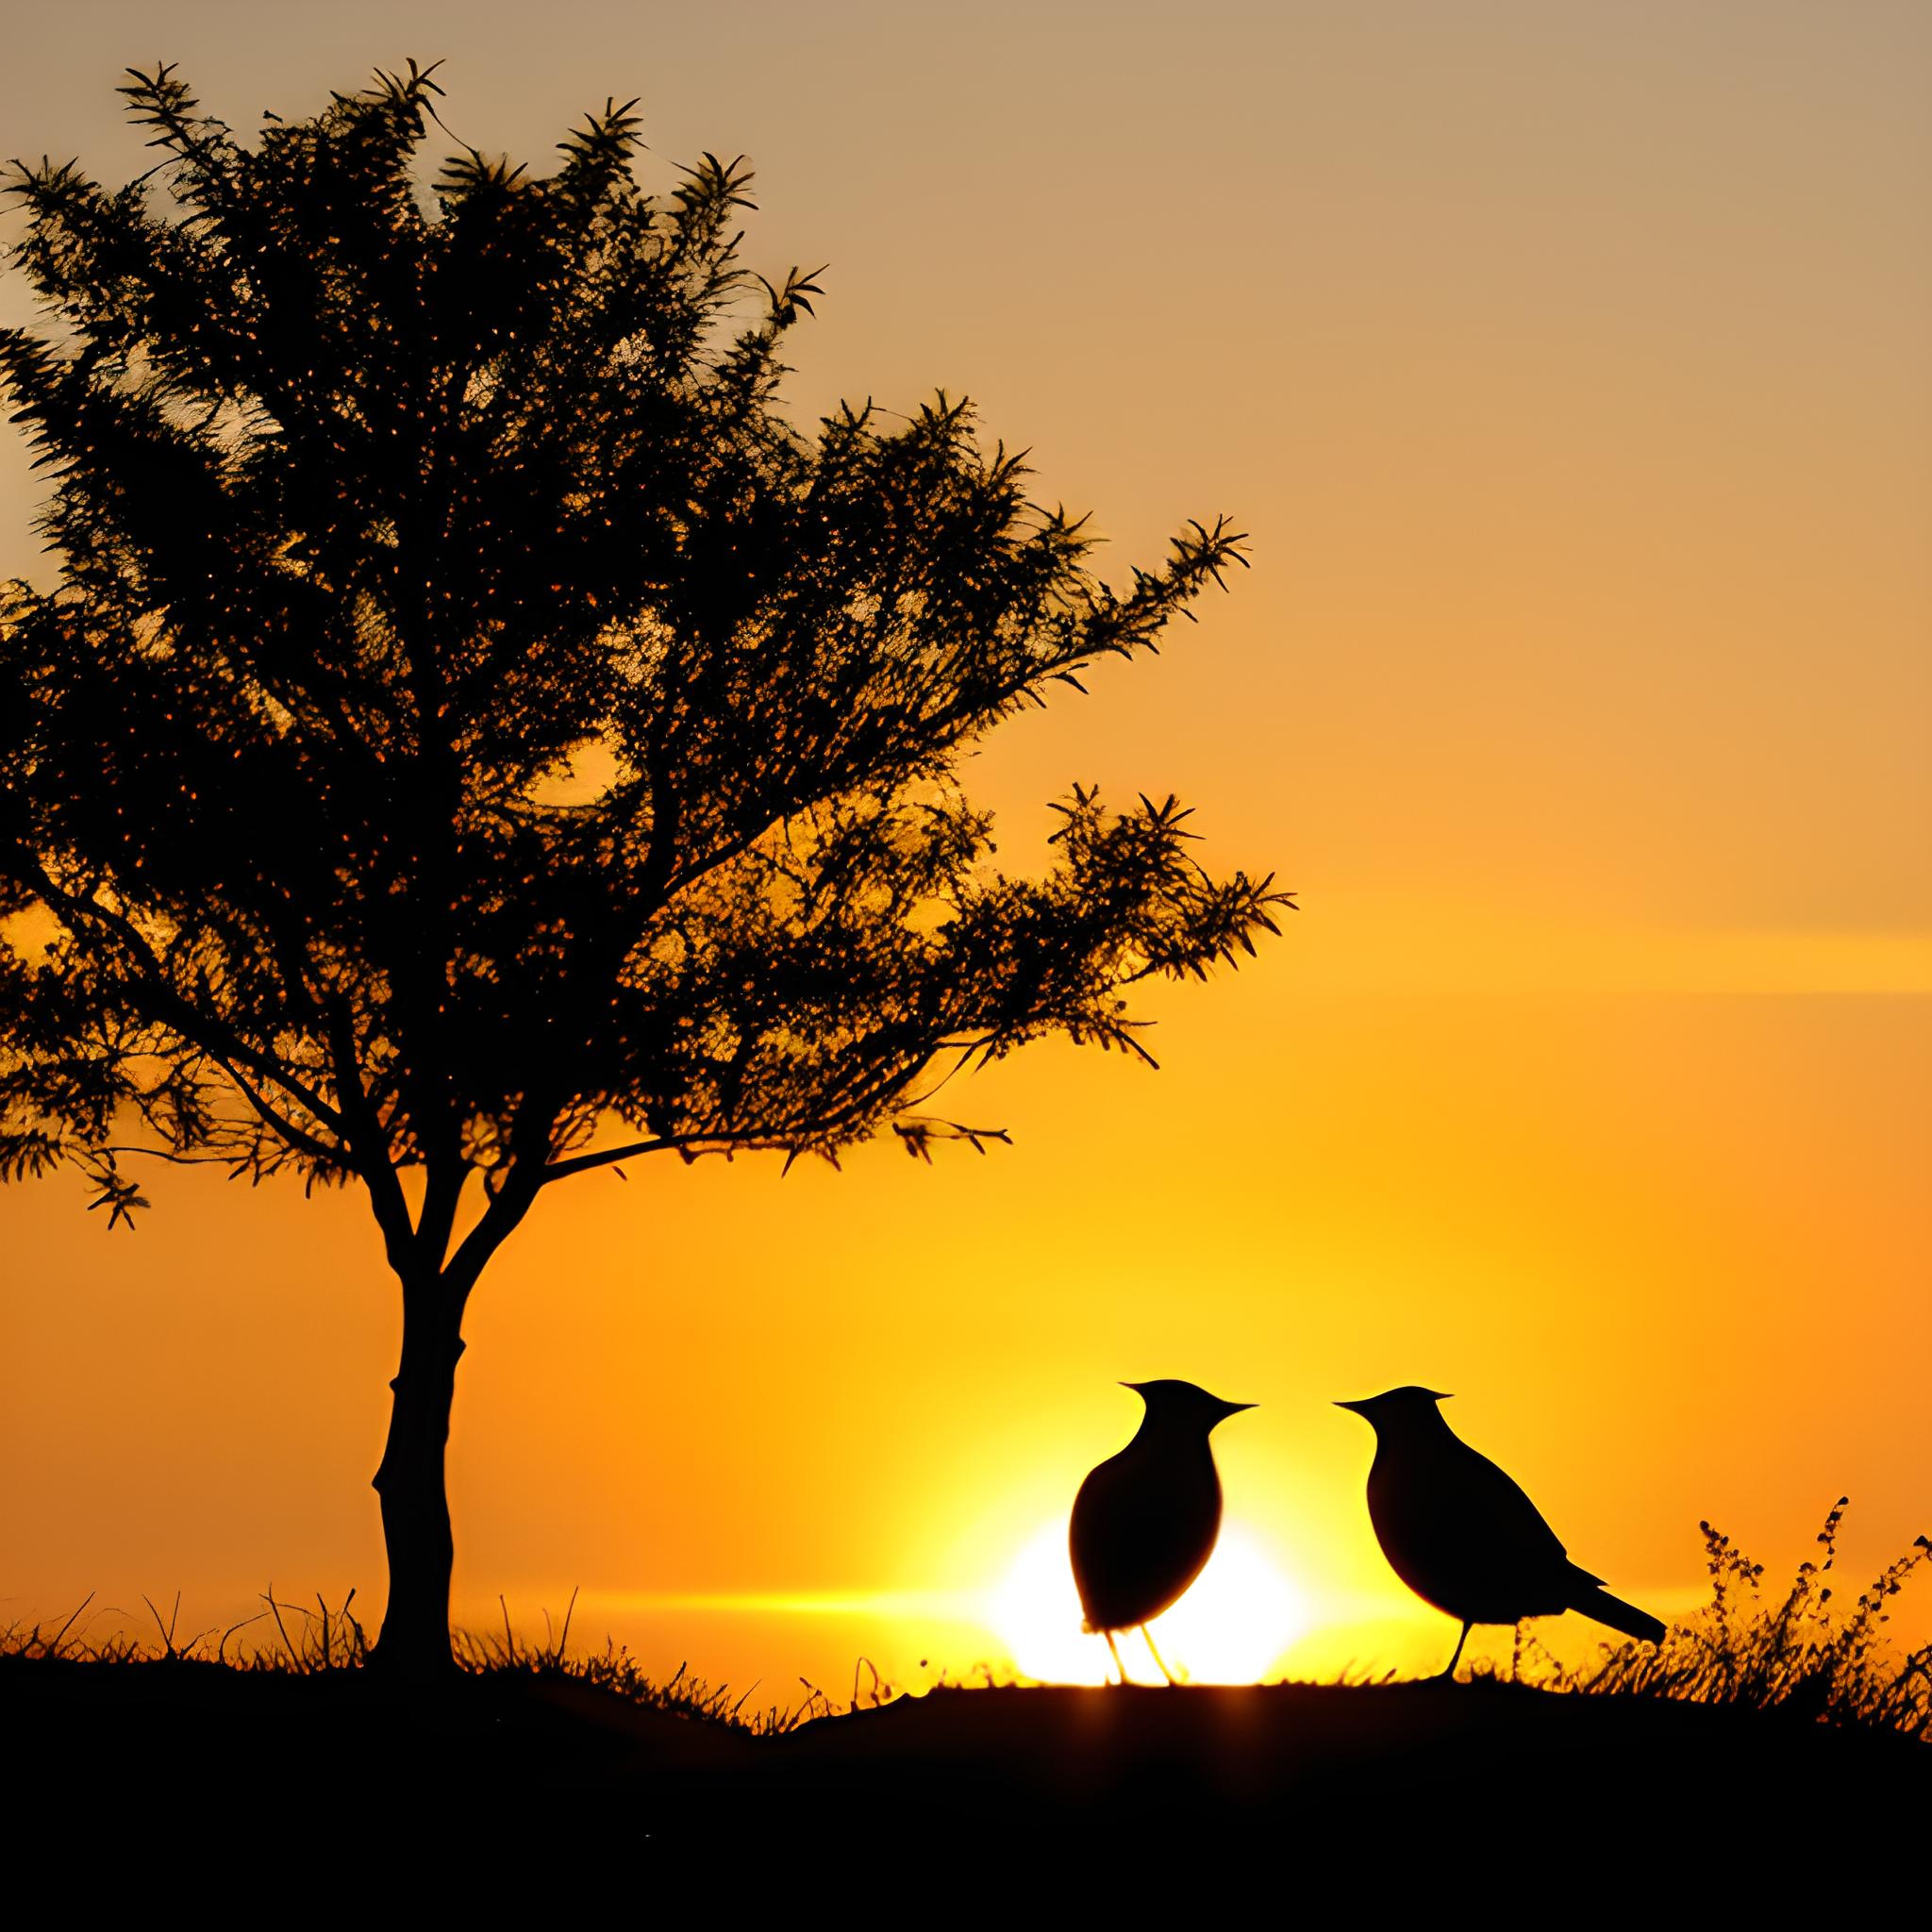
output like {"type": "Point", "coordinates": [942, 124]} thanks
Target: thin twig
{"type": "Point", "coordinates": [231, 1630]}
{"type": "Point", "coordinates": [275, 1608]}
{"type": "Point", "coordinates": [53, 1648]}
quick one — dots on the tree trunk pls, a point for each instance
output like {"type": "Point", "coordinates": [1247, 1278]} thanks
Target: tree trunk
{"type": "Point", "coordinates": [410, 1482]}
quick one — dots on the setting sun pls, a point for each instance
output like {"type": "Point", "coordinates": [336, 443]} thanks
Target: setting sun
{"type": "Point", "coordinates": [1229, 1628]}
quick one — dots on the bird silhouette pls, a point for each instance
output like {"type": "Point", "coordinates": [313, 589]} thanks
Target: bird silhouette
{"type": "Point", "coordinates": [1144, 1521]}
{"type": "Point", "coordinates": [1460, 1533]}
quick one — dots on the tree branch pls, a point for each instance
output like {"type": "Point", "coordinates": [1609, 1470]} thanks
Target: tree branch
{"type": "Point", "coordinates": [582, 1163]}
{"type": "Point", "coordinates": [205, 1031]}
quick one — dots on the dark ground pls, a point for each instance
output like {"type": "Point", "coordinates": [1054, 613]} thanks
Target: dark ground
{"type": "Point", "coordinates": [168, 1781]}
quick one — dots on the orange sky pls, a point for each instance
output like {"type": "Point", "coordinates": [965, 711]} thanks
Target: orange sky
{"type": "Point", "coordinates": [1567, 363]}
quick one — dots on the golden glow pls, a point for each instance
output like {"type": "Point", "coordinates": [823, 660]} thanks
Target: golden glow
{"type": "Point", "coordinates": [1229, 1628]}
{"type": "Point", "coordinates": [1568, 365]}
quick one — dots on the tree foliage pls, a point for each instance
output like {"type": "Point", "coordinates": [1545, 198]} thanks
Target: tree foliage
{"type": "Point", "coordinates": [474, 729]}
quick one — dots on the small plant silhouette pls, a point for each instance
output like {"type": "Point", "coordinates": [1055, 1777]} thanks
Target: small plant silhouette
{"type": "Point", "coordinates": [1804, 1656]}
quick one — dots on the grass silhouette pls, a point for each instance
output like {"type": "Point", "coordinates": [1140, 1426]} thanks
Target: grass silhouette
{"type": "Point", "coordinates": [1762, 1706]}
{"type": "Point", "coordinates": [1806, 1656]}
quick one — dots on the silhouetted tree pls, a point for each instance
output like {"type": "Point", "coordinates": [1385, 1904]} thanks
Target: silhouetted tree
{"type": "Point", "coordinates": [475, 736]}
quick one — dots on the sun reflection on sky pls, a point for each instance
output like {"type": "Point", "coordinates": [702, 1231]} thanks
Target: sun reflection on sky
{"type": "Point", "coordinates": [1234, 1626]}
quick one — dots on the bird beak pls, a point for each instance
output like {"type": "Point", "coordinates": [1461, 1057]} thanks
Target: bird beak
{"type": "Point", "coordinates": [1356, 1406]}
{"type": "Point", "coordinates": [1139, 1388]}
{"type": "Point", "coordinates": [1236, 1408]}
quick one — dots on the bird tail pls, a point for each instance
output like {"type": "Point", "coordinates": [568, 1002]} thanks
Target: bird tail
{"type": "Point", "coordinates": [1595, 1602]}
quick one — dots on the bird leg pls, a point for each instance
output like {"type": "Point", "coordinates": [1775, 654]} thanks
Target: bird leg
{"type": "Point", "coordinates": [1457, 1658]}
{"type": "Point", "coordinates": [1157, 1656]}
{"type": "Point", "coordinates": [1117, 1663]}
